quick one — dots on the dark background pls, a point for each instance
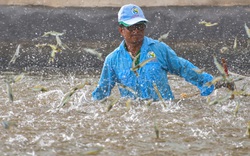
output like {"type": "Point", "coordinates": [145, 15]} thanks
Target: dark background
{"type": "Point", "coordinates": [97, 28]}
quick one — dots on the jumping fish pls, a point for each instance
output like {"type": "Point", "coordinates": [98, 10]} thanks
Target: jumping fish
{"type": "Point", "coordinates": [61, 44]}
{"type": "Point", "coordinates": [39, 88]}
{"type": "Point", "coordinates": [199, 71]}
{"type": "Point", "coordinates": [17, 78]}
{"type": "Point", "coordinates": [7, 124]}
{"type": "Point", "coordinates": [241, 92]}
{"type": "Point", "coordinates": [219, 67]}
{"type": "Point", "coordinates": [80, 86]}
{"type": "Point", "coordinates": [158, 93]}
{"type": "Point", "coordinates": [134, 61]}
{"type": "Point", "coordinates": [127, 88]}
{"type": "Point", "coordinates": [248, 34]}
{"type": "Point", "coordinates": [54, 49]}
{"type": "Point", "coordinates": [207, 24]}
{"type": "Point", "coordinates": [68, 95]}
{"type": "Point", "coordinates": [235, 43]}
{"type": "Point", "coordinates": [52, 33]}
{"type": "Point", "coordinates": [164, 36]}
{"type": "Point", "coordinates": [236, 110]}
{"type": "Point", "coordinates": [94, 52]}
{"type": "Point", "coordinates": [110, 106]}
{"type": "Point", "coordinates": [247, 30]}
{"type": "Point", "coordinates": [248, 129]}
{"type": "Point", "coordinates": [9, 91]}
{"type": "Point", "coordinates": [185, 95]}
{"type": "Point", "coordinates": [214, 81]}
{"type": "Point", "coordinates": [142, 64]}
{"type": "Point", "coordinates": [128, 104]}
{"type": "Point", "coordinates": [16, 55]}
{"type": "Point", "coordinates": [66, 98]}
{"type": "Point", "coordinates": [149, 102]}
{"type": "Point", "coordinates": [223, 50]}
{"type": "Point", "coordinates": [93, 151]}
{"type": "Point", "coordinates": [221, 99]}
{"type": "Point", "coordinates": [157, 131]}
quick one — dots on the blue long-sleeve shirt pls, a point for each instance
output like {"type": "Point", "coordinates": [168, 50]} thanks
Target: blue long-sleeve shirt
{"type": "Point", "coordinates": [118, 64]}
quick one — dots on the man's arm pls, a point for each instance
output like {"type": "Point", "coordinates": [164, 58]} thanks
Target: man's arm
{"type": "Point", "coordinates": [183, 68]}
{"type": "Point", "coordinates": [106, 82]}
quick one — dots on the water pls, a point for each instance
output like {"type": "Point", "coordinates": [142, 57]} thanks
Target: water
{"type": "Point", "coordinates": [187, 126]}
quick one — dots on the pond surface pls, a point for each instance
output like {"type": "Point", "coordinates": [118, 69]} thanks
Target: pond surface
{"type": "Point", "coordinates": [33, 124]}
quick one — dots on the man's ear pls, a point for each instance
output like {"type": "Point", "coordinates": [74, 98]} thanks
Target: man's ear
{"type": "Point", "coordinates": [120, 30]}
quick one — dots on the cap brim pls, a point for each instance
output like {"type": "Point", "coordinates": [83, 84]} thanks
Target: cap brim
{"type": "Point", "coordinates": [133, 21]}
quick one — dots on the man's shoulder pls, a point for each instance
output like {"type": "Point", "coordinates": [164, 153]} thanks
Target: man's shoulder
{"type": "Point", "coordinates": [151, 41]}
{"type": "Point", "coordinates": [114, 53]}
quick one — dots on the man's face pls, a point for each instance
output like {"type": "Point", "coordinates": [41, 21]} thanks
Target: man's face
{"type": "Point", "coordinates": [133, 34]}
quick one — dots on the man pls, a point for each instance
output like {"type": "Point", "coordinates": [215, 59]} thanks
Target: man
{"type": "Point", "coordinates": [144, 81]}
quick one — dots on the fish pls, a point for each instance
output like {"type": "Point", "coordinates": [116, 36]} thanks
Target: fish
{"type": "Point", "coordinates": [149, 102]}
{"type": "Point", "coordinates": [7, 124]}
{"type": "Point", "coordinates": [235, 43]}
{"type": "Point", "coordinates": [236, 110]}
{"type": "Point", "coordinates": [157, 131]}
{"type": "Point", "coordinates": [247, 30]}
{"type": "Point", "coordinates": [18, 78]}
{"type": "Point", "coordinates": [131, 55]}
{"type": "Point", "coordinates": [158, 93]}
{"type": "Point", "coordinates": [133, 63]}
{"type": "Point", "coordinates": [164, 36]}
{"type": "Point", "coordinates": [219, 67]}
{"type": "Point", "coordinates": [68, 95]}
{"type": "Point", "coordinates": [207, 24]}
{"type": "Point", "coordinates": [214, 81]}
{"type": "Point", "coordinates": [142, 64]}
{"type": "Point", "coordinates": [199, 71]}
{"type": "Point", "coordinates": [41, 45]}
{"type": "Point", "coordinates": [80, 86]}
{"type": "Point", "coordinates": [235, 74]}
{"type": "Point", "coordinates": [66, 98]}
{"type": "Point", "coordinates": [94, 52]}
{"type": "Point", "coordinates": [93, 151]}
{"type": "Point", "coordinates": [223, 50]}
{"type": "Point", "coordinates": [185, 95]}
{"type": "Point", "coordinates": [61, 44]}
{"type": "Point", "coordinates": [9, 91]}
{"type": "Point", "coordinates": [52, 33]}
{"type": "Point", "coordinates": [54, 49]}
{"type": "Point", "coordinates": [248, 129]}
{"type": "Point", "coordinates": [128, 104]}
{"type": "Point", "coordinates": [39, 88]}
{"type": "Point", "coordinates": [127, 88]}
{"type": "Point", "coordinates": [16, 55]}
{"type": "Point", "coordinates": [219, 100]}
{"type": "Point", "coordinates": [241, 92]}
{"type": "Point", "coordinates": [110, 106]}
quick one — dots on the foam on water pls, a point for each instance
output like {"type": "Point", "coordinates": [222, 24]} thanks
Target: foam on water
{"type": "Point", "coordinates": [82, 125]}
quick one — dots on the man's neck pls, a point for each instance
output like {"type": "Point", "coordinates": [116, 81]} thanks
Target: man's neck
{"type": "Point", "coordinates": [133, 48]}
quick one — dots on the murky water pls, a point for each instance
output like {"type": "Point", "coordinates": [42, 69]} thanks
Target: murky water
{"type": "Point", "coordinates": [81, 127]}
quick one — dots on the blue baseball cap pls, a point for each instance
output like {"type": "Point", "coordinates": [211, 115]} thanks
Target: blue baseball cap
{"type": "Point", "coordinates": [130, 14]}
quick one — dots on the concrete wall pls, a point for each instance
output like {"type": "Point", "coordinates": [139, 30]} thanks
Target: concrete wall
{"type": "Point", "coordinates": [117, 3]}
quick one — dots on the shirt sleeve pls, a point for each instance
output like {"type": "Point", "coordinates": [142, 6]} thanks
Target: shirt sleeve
{"type": "Point", "coordinates": [183, 68]}
{"type": "Point", "coordinates": [106, 82]}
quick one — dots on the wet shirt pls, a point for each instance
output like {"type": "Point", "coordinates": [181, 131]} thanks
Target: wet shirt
{"type": "Point", "coordinates": [117, 69]}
